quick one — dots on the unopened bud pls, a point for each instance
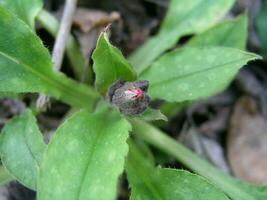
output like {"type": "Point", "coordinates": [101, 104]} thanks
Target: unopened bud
{"type": "Point", "coordinates": [129, 97]}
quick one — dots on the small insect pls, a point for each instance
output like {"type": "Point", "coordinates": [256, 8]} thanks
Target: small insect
{"type": "Point", "coordinates": [129, 97]}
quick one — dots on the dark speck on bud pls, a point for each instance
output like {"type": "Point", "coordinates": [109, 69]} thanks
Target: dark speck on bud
{"type": "Point", "coordinates": [129, 97]}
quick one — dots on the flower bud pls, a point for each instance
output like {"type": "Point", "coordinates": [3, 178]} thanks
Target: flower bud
{"type": "Point", "coordinates": [129, 97]}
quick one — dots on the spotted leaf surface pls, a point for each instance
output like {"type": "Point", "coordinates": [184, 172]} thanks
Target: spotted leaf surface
{"type": "Point", "coordinates": [183, 17]}
{"type": "Point", "coordinates": [85, 158]}
{"type": "Point", "coordinates": [230, 33]}
{"type": "Point", "coordinates": [193, 73]}
{"type": "Point", "coordinates": [22, 148]}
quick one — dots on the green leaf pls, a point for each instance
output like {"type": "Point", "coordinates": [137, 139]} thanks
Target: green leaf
{"type": "Point", "coordinates": [184, 17]}
{"type": "Point", "coordinates": [261, 26]}
{"type": "Point", "coordinates": [193, 73]}
{"type": "Point", "coordinates": [26, 10]}
{"type": "Point", "coordinates": [230, 33]}
{"type": "Point", "coordinates": [25, 66]}
{"type": "Point", "coordinates": [235, 189]}
{"type": "Point", "coordinates": [22, 148]}
{"type": "Point", "coordinates": [151, 114]}
{"type": "Point", "coordinates": [85, 158]}
{"type": "Point", "coordinates": [109, 64]}
{"type": "Point", "coordinates": [148, 182]}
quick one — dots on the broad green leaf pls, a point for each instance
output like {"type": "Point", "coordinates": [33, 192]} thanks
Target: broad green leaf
{"type": "Point", "coordinates": [147, 182]}
{"type": "Point", "coordinates": [235, 189]}
{"type": "Point", "coordinates": [184, 17]}
{"type": "Point", "coordinates": [22, 148]}
{"type": "Point", "coordinates": [25, 66]}
{"type": "Point", "coordinates": [109, 64]}
{"type": "Point", "coordinates": [193, 73]}
{"type": "Point", "coordinates": [26, 10]}
{"type": "Point", "coordinates": [261, 25]}
{"type": "Point", "coordinates": [231, 33]}
{"type": "Point", "coordinates": [85, 158]}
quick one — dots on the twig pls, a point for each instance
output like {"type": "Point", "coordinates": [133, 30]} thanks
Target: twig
{"type": "Point", "coordinates": [63, 33]}
{"type": "Point", "coordinates": [60, 43]}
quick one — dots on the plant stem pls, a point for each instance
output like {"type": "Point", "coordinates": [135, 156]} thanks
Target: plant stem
{"type": "Point", "coordinates": [63, 33]}
{"type": "Point", "coordinates": [162, 141]}
{"type": "Point", "coordinates": [5, 177]}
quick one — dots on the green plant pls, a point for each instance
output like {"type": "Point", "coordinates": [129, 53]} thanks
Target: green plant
{"type": "Point", "coordinates": [88, 152]}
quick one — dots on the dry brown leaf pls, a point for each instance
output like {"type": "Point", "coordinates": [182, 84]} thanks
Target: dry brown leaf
{"type": "Point", "coordinates": [246, 142]}
{"type": "Point", "coordinates": [90, 23]}
{"type": "Point", "coordinates": [87, 19]}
